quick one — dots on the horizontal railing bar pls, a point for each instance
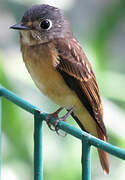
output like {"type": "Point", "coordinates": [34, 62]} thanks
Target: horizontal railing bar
{"type": "Point", "coordinates": [63, 125]}
{"type": "Point", "coordinates": [68, 128]}
{"type": "Point", "coordinates": [17, 100]}
{"type": "Point", "coordinates": [116, 151]}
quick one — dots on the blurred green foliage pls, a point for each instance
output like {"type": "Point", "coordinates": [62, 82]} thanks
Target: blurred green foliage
{"type": "Point", "coordinates": [106, 26]}
{"type": "Point", "coordinates": [13, 125]}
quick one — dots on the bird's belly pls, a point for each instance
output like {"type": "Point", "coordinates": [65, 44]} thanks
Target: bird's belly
{"type": "Point", "coordinates": [50, 82]}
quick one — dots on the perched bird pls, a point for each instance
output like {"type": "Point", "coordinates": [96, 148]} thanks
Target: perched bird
{"type": "Point", "coordinates": [61, 70]}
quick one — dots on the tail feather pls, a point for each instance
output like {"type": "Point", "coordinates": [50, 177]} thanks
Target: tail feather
{"type": "Point", "coordinates": [103, 155]}
{"type": "Point", "coordinates": [104, 161]}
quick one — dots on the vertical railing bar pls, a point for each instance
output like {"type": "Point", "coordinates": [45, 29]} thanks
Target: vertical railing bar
{"type": "Point", "coordinates": [38, 161]}
{"type": "Point", "coordinates": [0, 135]}
{"type": "Point", "coordinates": [86, 159]}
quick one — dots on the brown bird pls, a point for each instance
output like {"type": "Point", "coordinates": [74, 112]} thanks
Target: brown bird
{"type": "Point", "coordinates": [61, 70]}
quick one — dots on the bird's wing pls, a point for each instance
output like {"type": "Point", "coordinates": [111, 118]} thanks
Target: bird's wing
{"type": "Point", "coordinates": [77, 72]}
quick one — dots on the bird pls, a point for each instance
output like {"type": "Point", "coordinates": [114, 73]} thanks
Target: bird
{"type": "Point", "coordinates": [61, 70]}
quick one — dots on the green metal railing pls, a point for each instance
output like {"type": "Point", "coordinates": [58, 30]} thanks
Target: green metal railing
{"type": "Point", "coordinates": [86, 139]}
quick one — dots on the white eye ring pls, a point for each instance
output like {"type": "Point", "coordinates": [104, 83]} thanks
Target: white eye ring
{"type": "Point", "coordinates": [46, 24]}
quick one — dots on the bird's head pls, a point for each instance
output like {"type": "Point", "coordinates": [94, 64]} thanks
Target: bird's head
{"type": "Point", "coordinates": [42, 23]}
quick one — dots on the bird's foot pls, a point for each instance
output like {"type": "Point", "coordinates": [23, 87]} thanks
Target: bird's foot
{"type": "Point", "coordinates": [55, 114]}
{"type": "Point", "coordinates": [55, 124]}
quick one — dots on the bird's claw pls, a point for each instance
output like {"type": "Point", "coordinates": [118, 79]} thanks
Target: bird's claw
{"type": "Point", "coordinates": [55, 114]}
{"type": "Point", "coordinates": [55, 124]}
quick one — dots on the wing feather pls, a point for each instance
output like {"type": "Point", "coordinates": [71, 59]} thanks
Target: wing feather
{"type": "Point", "coordinates": [77, 72]}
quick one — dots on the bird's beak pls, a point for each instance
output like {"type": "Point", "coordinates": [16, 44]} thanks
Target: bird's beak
{"type": "Point", "coordinates": [20, 27]}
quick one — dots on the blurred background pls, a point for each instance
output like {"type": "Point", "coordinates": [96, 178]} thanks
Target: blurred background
{"type": "Point", "coordinates": [99, 26]}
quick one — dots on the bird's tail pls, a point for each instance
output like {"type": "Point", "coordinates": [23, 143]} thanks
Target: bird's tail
{"type": "Point", "coordinates": [103, 155]}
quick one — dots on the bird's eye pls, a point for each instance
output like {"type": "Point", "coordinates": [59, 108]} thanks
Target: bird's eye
{"type": "Point", "coordinates": [46, 24]}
